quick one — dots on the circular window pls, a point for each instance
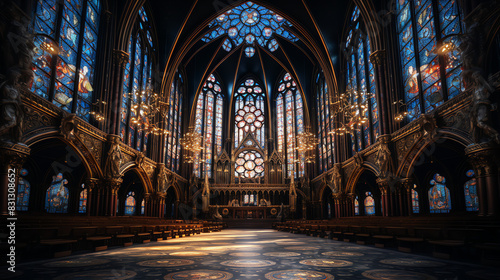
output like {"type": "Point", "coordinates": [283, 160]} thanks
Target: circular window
{"type": "Point", "coordinates": [249, 164]}
{"type": "Point", "coordinates": [249, 118]}
{"type": "Point", "coordinates": [250, 17]}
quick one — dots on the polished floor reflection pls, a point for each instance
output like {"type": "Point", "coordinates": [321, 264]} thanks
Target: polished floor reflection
{"type": "Point", "coordinates": [251, 254]}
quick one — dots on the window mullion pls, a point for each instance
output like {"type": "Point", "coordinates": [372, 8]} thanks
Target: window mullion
{"type": "Point", "coordinates": [81, 33]}
{"type": "Point", "coordinates": [55, 57]}
{"type": "Point", "coordinates": [416, 54]}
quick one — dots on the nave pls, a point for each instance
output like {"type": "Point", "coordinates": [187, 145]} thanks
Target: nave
{"type": "Point", "coordinates": [251, 254]}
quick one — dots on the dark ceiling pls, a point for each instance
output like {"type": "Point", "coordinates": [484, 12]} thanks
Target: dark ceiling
{"type": "Point", "coordinates": [173, 20]}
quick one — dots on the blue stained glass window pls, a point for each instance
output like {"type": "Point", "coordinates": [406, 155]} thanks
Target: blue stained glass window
{"type": "Point", "coordinates": [290, 120]}
{"type": "Point", "coordinates": [470, 191]}
{"type": "Point", "coordinates": [249, 51]}
{"type": "Point", "coordinates": [173, 125]}
{"type": "Point", "coordinates": [425, 86]}
{"type": "Point", "coordinates": [356, 206]}
{"type": "Point", "coordinates": [369, 204]}
{"type": "Point", "coordinates": [361, 84]}
{"type": "Point", "coordinates": [23, 191]}
{"type": "Point", "coordinates": [82, 203]}
{"type": "Point", "coordinates": [208, 122]}
{"type": "Point", "coordinates": [325, 125]}
{"type": "Point", "coordinates": [142, 207]}
{"type": "Point", "coordinates": [250, 19]}
{"type": "Point", "coordinates": [64, 71]}
{"type": "Point", "coordinates": [130, 204]}
{"type": "Point", "coordinates": [439, 195]}
{"type": "Point", "coordinates": [57, 195]}
{"type": "Point", "coordinates": [137, 86]}
{"type": "Point", "coordinates": [415, 202]}
{"type": "Point", "coordinates": [250, 112]}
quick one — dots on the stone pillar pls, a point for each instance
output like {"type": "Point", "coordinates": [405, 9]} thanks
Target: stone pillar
{"type": "Point", "coordinates": [385, 192]}
{"type": "Point", "coordinates": [336, 205]}
{"type": "Point", "coordinates": [148, 201]}
{"type": "Point", "coordinates": [13, 157]}
{"type": "Point", "coordinates": [378, 59]}
{"type": "Point", "coordinates": [407, 185]}
{"type": "Point", "coordinates": [92, 203]}
{"type": "Point", "coordinates": [120, 59]}
{"type": "Point", "coordinates": [110, 190]}
{"type": "Point", "coordinates": [484, 159]}
{"type": "Point", "coordinates": [351, 197]}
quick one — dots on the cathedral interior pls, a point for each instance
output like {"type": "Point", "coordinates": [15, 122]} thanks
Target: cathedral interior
{"type": "Point", "coordinates": [235, 139]}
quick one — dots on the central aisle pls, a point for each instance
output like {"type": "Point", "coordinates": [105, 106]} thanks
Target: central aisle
{"type": "Point", "coordinates": [251, 254]}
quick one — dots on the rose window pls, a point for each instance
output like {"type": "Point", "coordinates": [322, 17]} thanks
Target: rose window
{"type": "Point", "coordinates": [249, 118]}
{"type": "Point", "coordinates": [249, 164]}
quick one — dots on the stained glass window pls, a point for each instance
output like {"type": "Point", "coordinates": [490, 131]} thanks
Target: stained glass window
{"type": "Point", "coordinates": [369, 204]}
{"type": "Point", "coordinates": [23, 191]}
{"type": "Point", "coordinates": [249, 24]}
{"type": "Point", "coordinates": [142, 207]}
{"type": "Point", "coordinates": [326, 124]}
{"type": "Point", "coordinates": [470, 191]}
{"type": "Point", "coordinates": [208, 122]}
{"type": "Point", "coordinates": [173, 125]}
{"type": "Point", "coordinates": [361, 83]}
{"type": "Point", "coordinates": [290, 120]}
{"type": "Point", "coordinates": [429, 78]}
{"type": "Point", "coordinates": [439, 195]}
{"type": "Point", "coordinates": [137, 86]}
{"type": "Point", "coordinates": [249, 112]}
{"type": "Point", "coordinates": [57, 195]}
{"type": "Point", "coordinates": [66, 79]}
{"type": "Point", "coordinates": [414, 200]}
{"type": "Point", "coordinates": [82, 203]}
{"type": "Point", "coordinates": [249, 164]}
{"type": "Point", "coordinates": [130, 204]}
{"type": "Point", "coordinates": [356, 206]}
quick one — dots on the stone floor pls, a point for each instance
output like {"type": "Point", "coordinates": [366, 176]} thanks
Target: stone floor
{"type": "Point", "coordinates": [250, 254]}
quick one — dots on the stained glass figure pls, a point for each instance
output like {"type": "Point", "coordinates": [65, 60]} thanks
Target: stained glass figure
{"type": "Point", "coordinates": [73, 81]}
{"type": "Point", "coordinates": [57, 195]}
{"type": "Point", "coordinates": [470, 191]}
{"type": "Point", "coordinates": [209, 124]}
{"type": "Point", "coordinates": [250, 112]}
{"type": "Point", "coordinates": [130, 204]}
{"type": "Point", "coordinates": [23, 191]}
{"type": "Point", "coordinates": [419, 29]}
{"type": "Point", "coordinates": [82, 203]}
{"type": "Point", "coordinates": [249, 164]}
{"type": "Point", "coordinates": [361, 80]}
{"type": "Point", "coordinates": [439, 195]}
{"type": "Point", "coordinates": [290, 120]}
{"type": "Point", "coordinates": [249, 23]}
{"type": "Point", "coordinates": [326, 125]}
{"type": "Point", "coordinates": [414, 200]}
{"type": "Point", "coordinates": [369, 204]}
{"type": "Point", "coordinates": [137, 86]}
{"type": "Point", "coordinates": [142, 207]}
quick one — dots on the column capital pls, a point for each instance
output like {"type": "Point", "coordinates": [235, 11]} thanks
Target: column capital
{"type": "Point", "coordinates": [407, 183]}
{"type": "Point", "coordinates": [484, 158]}
{"type": "Point", "coordinates": [378, 57]}
{"type": "Point", "coordinates": [120, 57]}
{"type": "Point", "coordinates": [14, 155]}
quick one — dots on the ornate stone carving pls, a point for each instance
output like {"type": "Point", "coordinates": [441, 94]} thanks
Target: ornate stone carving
{"type": "Point", "coordinates": [384, 160]}
{"type": "Point", "coordinates": [482, 107]}
{"type": "Point", "coordinates": [484, 158]}
{"type": "Point", "coordinates": [114, 159]}
{"type": "Point", "coordinates": [16, 55]}
{"type": "Point", "coordinates": [13, 155]}
{"type": "Point", "coordinates": [336, 185]}
{"type": "Point", "coordinates": [429, 126]}
{"type": "Point", "coordinates": [161, 179]}
{"type": "Point", "coordinates": [120, 57]}
{"type": "Point", "coordinates": [358, 160]}
{"type": "Point", "coordinates": [139, 160]}
{"type": "Point", "coordinates": [378, 57]}
{"type": "Point", "coordinates": [68, 127]}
